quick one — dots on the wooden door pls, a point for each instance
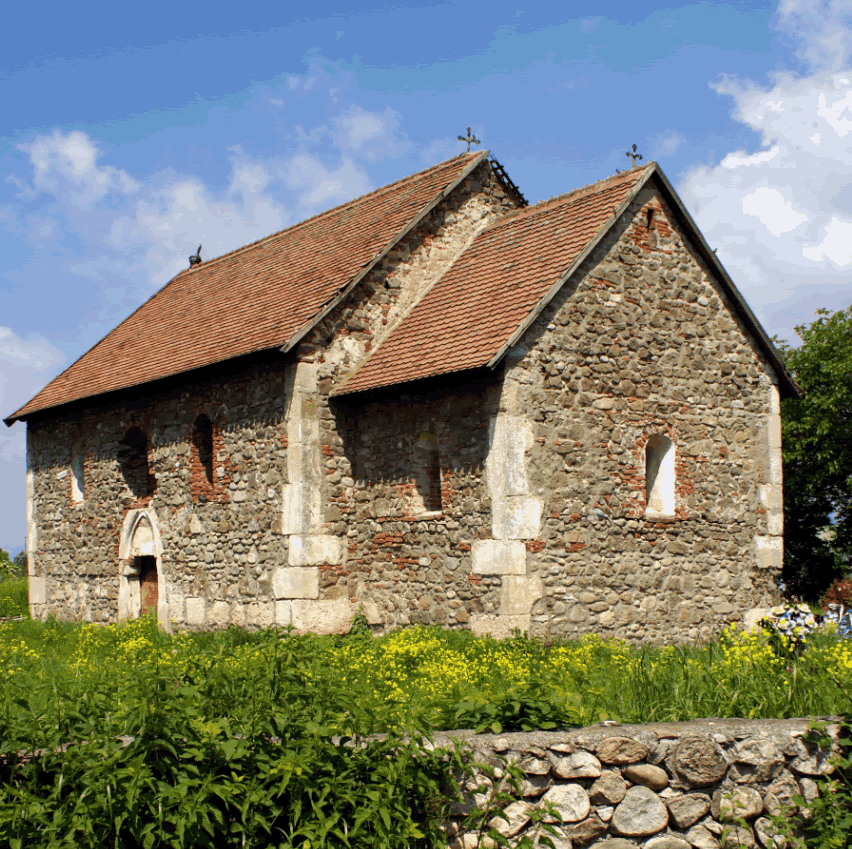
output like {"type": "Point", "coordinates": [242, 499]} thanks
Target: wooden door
{"type": "Point", "coordinates": [149, 590]}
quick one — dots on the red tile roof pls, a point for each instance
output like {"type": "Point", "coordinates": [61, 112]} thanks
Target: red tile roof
{"type": "Point", "coordinates": [474, 309]}
{"type": "Point", "coordinates": [254, 298]}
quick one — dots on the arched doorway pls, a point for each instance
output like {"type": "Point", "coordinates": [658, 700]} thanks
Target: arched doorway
{"type": "Point", "coordinates": [141, 590]}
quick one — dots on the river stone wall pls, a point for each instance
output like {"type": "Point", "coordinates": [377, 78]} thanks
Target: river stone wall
{"type": "Point", "coordinates": [672, 785]}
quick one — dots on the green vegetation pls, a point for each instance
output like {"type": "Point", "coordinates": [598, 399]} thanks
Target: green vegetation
{"type": "Point", "coordinates": [13, 585]}
{"type": "Point", "coordinates": [13, 597]}
{"type": "Point", "coordinates": [817, 439]}
{"type": "Point", "coordinates": [234, 733]}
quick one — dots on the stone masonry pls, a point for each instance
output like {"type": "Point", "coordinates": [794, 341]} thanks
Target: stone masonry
{"type": "Point", "coordinates": [671, 785]}
{"type": "Point", "coordinates": [316, 504]}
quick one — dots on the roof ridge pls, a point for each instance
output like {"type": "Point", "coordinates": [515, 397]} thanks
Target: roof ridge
{"type": "Point", "coordinates": [573, 194]}
{"type": "Point", "coordinates": [377, 191]}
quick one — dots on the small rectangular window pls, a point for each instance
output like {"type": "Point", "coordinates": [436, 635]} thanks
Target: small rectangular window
{"type": "Point", "coordinates": [78, 475]}
{"type": "Point", "coordinates": [659, 477]}
{"type": "Point", "coordinates": [427, 474]}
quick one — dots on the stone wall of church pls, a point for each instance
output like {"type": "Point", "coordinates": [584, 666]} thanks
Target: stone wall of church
{"type": "Point", "coordinates": [516, 499]}
{"type": "Point", "coordinates": [644, 349]}
{"type": "Point", "coordinates": [410, 537]}
{"type": "Point", "coordinates": [265, 539]}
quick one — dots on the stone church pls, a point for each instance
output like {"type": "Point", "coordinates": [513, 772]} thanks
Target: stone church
{"type": "Point", "coordinates": [435, 403]}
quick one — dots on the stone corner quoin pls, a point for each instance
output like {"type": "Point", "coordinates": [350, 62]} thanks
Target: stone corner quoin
{"type": "Point", "coordinates": [618, 472]}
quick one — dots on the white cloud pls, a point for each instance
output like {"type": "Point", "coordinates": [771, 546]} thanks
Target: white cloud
{"type": "Point", "coordinates": [822, 30]}
{"type": "Point", "coordinates": [68, 162]}
{"type": "Point", "coordinates": [323, 186]}
{"type": "Point", "coordinates": [371, 134]}
{"type": "Point", "coordinates": [781, 215]}
{"type": "Point", "coordinates": [138, 233]}
{"type": "Point", "coordinates": [665, 144]}
{"type": "Point", "coordinates": [776, 213]}
{"type": "Point", "coordinates": [360, 127]}
{"type": "Point", "coordinates": [836, 245]}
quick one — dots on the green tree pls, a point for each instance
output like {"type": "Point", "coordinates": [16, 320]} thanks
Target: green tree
{"type": "Point", "coordinates": [817, 434]}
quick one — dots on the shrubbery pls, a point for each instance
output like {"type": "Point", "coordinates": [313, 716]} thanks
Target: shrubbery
{"type": "Point", "coordinates": [210, 756]}
{"type": "Point", "coordinates": [13, 585]}
{"type": "Point", "coordinates": [235, 734]}
{"type": "Point", "coordinates": [14, 598]}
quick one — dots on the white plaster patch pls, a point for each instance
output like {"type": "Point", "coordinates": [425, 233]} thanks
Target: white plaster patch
{"type": "Point", "coordinates": [753, 616]}
{"type": "Point", "coordinates": [195, 611]}
{"type": "Point", "coordinates": [295, 582]}
{"type": "Point", "coordinates": [301, 504]}
{"type": "Point", "coordinates": [32, 527]}
{"type": "Point", "coordinates": [330, 616]}
{"type": "Point", "coordinates": [773, 423]}
{"type": "Point", "coordinates": [769, 496]}
{"type": "Point", "coordinates": [176, 611]}
{"type": "Point", "coordinates": [220, 613]}
{"type": "Point", "coordinates": [516, 517]}
{"type": "Point", "coordinates": [498, 557]}
{"type": "Point", "coordinates": [38, 590]}
{"type": "Point", "coordinates": [315, 550]}
{"type": "Point", "coordinates": [774, 398]}
{"type": "Point", "coordinates": [283, 613]}
{"type": "Point", "coordinates": [497, 626]}
{"type": "Point", "coordinates": [775, 524]}
{"type": "Point", "coordinates": [769, 552]}
{"type": "Point", "coordinates": [519, 594]}
{"type": "Point", "coordinates": [261, 614]}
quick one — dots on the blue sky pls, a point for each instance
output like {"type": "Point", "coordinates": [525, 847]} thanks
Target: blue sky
{"type": "Point", "coordinates": [130, 134]}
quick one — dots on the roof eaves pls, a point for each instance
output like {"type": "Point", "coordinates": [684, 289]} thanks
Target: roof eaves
{"type": "Point", "coordinates": [10, 420]}
{"type": "Point", "coordinates": [788, 382]}
{"type": "Point", "coordinates": [581, 258]}
{"type": "Point", "coordinates": [343, 293]}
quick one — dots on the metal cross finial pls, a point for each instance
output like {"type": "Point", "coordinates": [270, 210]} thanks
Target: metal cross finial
{"type": "Point", "coordinates": [470, 139]}
{"type": "Point", "coordinates": [633, 156]}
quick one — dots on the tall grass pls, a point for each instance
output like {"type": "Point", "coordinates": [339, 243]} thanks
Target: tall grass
{"type": "Point", "coordinates": [13, 597]}
{"type": "Point", "coordinates": [452, 679]}
{"type": "Point", "coordinates": [133, 737]}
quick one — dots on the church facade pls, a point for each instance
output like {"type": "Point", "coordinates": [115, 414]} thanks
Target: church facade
{"type": "Point", "coordinates": [434, 403]}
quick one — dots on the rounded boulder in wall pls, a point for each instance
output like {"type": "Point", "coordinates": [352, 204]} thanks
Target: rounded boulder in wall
{"type": "Point", "coordinates": [699, 761]}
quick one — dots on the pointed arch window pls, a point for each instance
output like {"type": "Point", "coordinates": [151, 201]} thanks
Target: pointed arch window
{"type": "Point", "coordinates": [660, 477]}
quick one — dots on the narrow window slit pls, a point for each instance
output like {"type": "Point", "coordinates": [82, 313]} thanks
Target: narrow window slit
{"type": "Point", "coordinates": [660, 476]}
{"type": "Point", "coordinates": [427, 473]}
{"type": "Point", "coordinates": [203, 439]}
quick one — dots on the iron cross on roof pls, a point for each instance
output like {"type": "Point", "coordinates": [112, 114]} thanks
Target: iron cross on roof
{"type": "Point", "coordinates": [470, 139]}
{"type": "Point", "coordinates": [633, 156]}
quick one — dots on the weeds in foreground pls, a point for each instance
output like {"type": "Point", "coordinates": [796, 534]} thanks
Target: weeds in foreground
{"type": "Point", "coordinates": [127, 736]}
{"type": "Point", "coordinates": [13, 597]}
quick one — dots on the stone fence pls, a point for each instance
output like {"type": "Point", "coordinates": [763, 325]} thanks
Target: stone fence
{"type": "Point", "coordinates": [670, 785]}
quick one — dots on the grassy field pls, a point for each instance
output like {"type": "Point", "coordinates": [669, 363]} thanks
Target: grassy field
{"type": "Point", "coordinates": [430, 677]}
{"type": "Point", "coordinates": [233, 733]}
{"type": "Point", "coordinates": [13, 597]}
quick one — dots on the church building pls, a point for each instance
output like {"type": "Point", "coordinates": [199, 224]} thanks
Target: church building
{"type": "Point", "coordinates": [435, 403]}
